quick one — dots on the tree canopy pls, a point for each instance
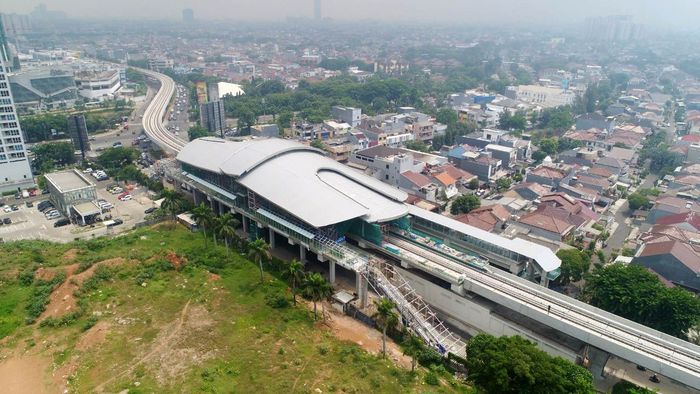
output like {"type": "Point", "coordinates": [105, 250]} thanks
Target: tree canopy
{"type": "Point", "coordinates": [515, 365]}
{"type": "Point", "coordinates": [50, 155]}
{"type": "Point", "coordinates": [195, 132]}
{"type": "Point", "coordinates": [634, 293]}
{"type": "Point", "coordinates": [464, 204]}
{"type": "Point", "coordinates": [116, 158]}
{"type": "Point", "coordinates": [574, 264]}
{"type": "Point", "coordinates": [637, 201]}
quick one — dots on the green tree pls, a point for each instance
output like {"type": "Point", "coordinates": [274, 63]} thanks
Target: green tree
{"type": "Point", "coordinates": [294, 273]}
{"type": "Point", "coordinates": [447, 116]}
{"type": "Point", "coordinates": [503, 183]}
{"type": "Point", "coordinates": [637, 201]}
{"type": "Point", "coordinates": [417, 145]}
{"type": "Point", "coordinates": [172, 201]}
{"type": "Point", "coordinates": [412, 347]}
{"type": "Point", "coordinates": [284, 120]}
{"type": "Point", "coordinates": [196, 131]}
{"type": "Point", "coordinates": [634, 293]}
{"type": "Point", "coordinates": [317, 289]}
{"type": "Point", "coordinates": [204, 217]}
{"type": "Point", "coordinates": [385, 317]}
{"type": "Point", "coordinates": [574, 264]}
{"type": "Point", "coordinates": [508, 121]}
{"type": "Point", "coordinates": [226, 228]}
{"type": "Point", "coordinates": [259, 251]}
{"type": "Point", "coordinates": [515, 365]}
{"type": "Point", "coordinates": [464, 204]}
{"type": "Point", "coordinates": [549, 146]}
{"type": "Point", "coordinates": [474, 184]}
{"type": "Point", "coordinates": [318, 144]}
{"type": "Point", "coordinates": [558, 118]}
{"type": "Point", "coordinates": [117, 158]}
{"type": "Point", "coordinates": [48, 156]}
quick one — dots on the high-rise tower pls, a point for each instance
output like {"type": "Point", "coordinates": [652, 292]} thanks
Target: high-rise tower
{"type": "Point", "coordinates": [15, 172]}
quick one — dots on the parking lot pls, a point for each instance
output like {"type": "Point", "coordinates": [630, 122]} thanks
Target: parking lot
{"type": "Point", "coordinates": [30, 223]}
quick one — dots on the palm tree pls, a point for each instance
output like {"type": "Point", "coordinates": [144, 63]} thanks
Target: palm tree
{"type": "Point", "coordinates": [226, 228]}
{"type": "Point", "coordinates": [412, 346]}
{"type": "Point", "coordinates": [204, 218]}
{"type": "Point", "coordinates": [294, 272]}
{"type": "Point", "coordinates": [386, 317]}
{"type": "Point", "coordinates": [318, 289]}
{"type": "Point", "coordinates": [258, 250]}
{"type": "Point", "coordinates": [172, 201]}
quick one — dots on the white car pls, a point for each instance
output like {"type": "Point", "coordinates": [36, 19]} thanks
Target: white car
{"type": "Point", "coordinates": [53, 215]}
{"type": "Point", "coordinates": [126, 198]}
{"type": "Point", "coordinates": [7, 209]}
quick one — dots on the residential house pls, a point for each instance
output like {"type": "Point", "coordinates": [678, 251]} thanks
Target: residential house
{"type": "Point", "coordinates": [481, 164]}
{"type": "Point", "coordinates": [418, 184]}
{"type": "Point", "coordinates": [674, 260]}
{"type": "Point", "coordinates": [688, 221]}
{"type": "Point", "coordinates": [547, 175]}
{"type": "Point", "coordinates": [530, 190]}
{"type": "Point", "coordinates": [490, 218]}
{"type": "Point", "coordinates": [669, 205]}
{"type": "Point", "coordinates": [595, 121]}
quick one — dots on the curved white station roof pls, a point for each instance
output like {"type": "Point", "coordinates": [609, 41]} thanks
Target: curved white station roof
{"type": "Point", "coordinates": [299, 179]}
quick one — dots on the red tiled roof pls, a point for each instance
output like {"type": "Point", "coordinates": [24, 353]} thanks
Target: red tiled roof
{"type": "Point", "coordinates": [445, 179]}
{"type": "Point", "coordinates": [548, 172]}
{"type": "Point", "coordinates": [485, 218]}
{"type": "Point", "coordinates": [692, 218]}
{"type": "Point", "coordinates": [417, 179]}
{"type": "Point", "coordinates": [546, 221]}
{"type": "Point", "coordinates": [691, 138]}
{"type": "Point", "coordinates": [681, 251]}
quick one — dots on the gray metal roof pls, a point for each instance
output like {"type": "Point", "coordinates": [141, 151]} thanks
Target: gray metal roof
{"type": "Point", "coordinates": [300, 179]}
{"type": "Point", "coordinates": [544, 257]}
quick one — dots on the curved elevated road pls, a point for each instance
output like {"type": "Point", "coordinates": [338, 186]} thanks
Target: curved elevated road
{"type": "Point", "coordinates": [155, 113]}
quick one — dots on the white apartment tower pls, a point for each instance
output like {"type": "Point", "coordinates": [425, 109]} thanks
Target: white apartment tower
{"type": "Point", "coordinates": [15, 172]}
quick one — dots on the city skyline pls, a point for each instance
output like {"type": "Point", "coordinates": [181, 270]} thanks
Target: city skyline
{"type": "Point", "coordinates": [678, 14]}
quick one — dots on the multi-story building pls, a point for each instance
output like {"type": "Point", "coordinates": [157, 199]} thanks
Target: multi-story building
{"type": "Point", "coordinates": [160, 63]}
{"type": "Point", "coordinates": [544, 96]}
{"type": "Point", "coordinates": [98, 85]}
{"type": "Point", "coordinates": [77, 129]}
{"type": "Point", "coordinates": [349, 115]}
{"type": "Point", "coordinates": [15, 172]}
{"type": "Point", "coordinates": [43, 89]}
{"type": "Point", "coordinates": [212, 116]}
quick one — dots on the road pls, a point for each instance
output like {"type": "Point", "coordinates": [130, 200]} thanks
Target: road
{"type": "Point", "coordinates": [617, 238]}
{"type": "Point", "coordinates": [156, 112]}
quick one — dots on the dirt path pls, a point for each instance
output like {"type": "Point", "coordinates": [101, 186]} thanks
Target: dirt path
{"type": "Point", "coordinates": [348, 329]}
{"type": "Point", "coordinates": [26, 375]}
{"type": "Point", "coordinates": [156, 349]}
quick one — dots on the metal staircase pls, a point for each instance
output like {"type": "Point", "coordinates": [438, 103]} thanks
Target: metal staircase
{"type": "Point", "coordinates": [386, 280]}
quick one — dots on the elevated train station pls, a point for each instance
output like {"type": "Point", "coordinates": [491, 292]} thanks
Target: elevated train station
{"type": "Point", "coordinates": [283, 189]}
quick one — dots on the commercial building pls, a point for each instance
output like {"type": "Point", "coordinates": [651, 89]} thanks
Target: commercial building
{"type": "Point", "coordinates": [43, 89]}
{"type": "Point", "coordinates": [159, 63]}
{"type": "Point", "coordinates": [295, 191]}
{"type": "Point", "coordinates": [543, 96]}
{"type": "Point", "coordinates": [212, 116]}
{"type": "Point", "coordinates": [73, 194]}
{"type": "Point", "coordinates": [98, 85]}
{"type": "Point", "coordinates": [77, 129]}
{"type": "Point", "coordinates": [349, 115]}
{"type": "Point", "coordinates": [15, 172]}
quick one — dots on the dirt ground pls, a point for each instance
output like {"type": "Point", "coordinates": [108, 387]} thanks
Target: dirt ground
{"type": "Point", "coordinates": [348, 329]}
{"type": "Point", "coordinates": [62, 301]}
{"type": "Point", "coordinates": [26, 375]}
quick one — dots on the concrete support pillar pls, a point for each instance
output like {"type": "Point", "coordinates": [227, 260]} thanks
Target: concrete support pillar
{"type": "Point", "coordinates": [361, 284]}
{"type": "Point", "coordinates": [531, 270]}
{"type": "Point", "coordinates": [245, 224]}
{"type": "Point", "coordinates": [194, 197]}
{"type": "Point", "coordinates": [331, 271]}
{"type": "Point", "coordinates": [272, 238]}
{"type": "Point", "coordinates": [544, 280]}
{"type": "Point", "coordinates": [302, 253]}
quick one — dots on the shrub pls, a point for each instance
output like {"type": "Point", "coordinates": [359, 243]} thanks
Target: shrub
{"type": "Point", "coordinates": [428, 357]}
{"type": "Point", "coordinates": [89, 323]}
{"type": "Point", "coordinates": [277, 300]}
{"type": "Point", "coordinates": [431, 378]}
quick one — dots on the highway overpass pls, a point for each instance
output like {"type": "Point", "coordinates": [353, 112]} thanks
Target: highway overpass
{"type": "Point", "coordinates": [153, 117]}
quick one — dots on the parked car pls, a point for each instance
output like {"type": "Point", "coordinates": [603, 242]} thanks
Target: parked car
{"type": "Point", "coordinates": [7, 221]}
{"type": "Point", "coordinates": [150, 210]}
{"type": "Point", "coordinates": [29, 204]}
{"type": "Point", "coordinates": [118, 222]}
{"type": "Point", "coordinates": [7, 209]}
{"type": "Point", "coordinates": [14, 207]}
{"type": "Point", "coordinates": [126, 197]}
{"type": "Point", "coordinates": [61, 222]}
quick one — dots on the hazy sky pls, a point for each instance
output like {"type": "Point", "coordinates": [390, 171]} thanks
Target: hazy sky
{"type": "Point", "coordinates": [671, 13]}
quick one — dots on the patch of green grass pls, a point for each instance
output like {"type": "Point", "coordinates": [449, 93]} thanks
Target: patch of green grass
{"type": "Point", "coordinates": [12, 299]}
{"type": "Point", "coordinates": [253, 340]}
